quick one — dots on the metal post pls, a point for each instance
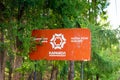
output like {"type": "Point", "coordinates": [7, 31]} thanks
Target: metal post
{"type": "Point", "coordinates": [35, 73]}
{"type": "Point", "coordinates": [82, 71]}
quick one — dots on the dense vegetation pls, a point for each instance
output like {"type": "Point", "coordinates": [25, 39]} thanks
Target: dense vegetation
{"type": "Point", "coordinates": [19, 17]}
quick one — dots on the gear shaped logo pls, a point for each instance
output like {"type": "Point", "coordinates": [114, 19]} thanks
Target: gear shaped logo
{"type": "Point", "coordinates": [58, 41]}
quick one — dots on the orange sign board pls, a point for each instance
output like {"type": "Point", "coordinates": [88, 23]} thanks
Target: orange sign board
{"type": "Point", "coordinates": [62, 44]}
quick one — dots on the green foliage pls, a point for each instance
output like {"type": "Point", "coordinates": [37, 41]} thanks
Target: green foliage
{"type": "Point", "coordinates": [51, 14]}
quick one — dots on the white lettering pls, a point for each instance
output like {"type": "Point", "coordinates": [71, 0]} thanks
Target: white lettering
{"type": "Point", "coordinates": [57, 53]}
{"type": "Point", "coordinates": [78, 39]}
{"type": "Point", "coordinates": [42, 39]}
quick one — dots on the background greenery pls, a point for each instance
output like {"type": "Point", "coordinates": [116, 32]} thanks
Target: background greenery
{"type": "Point", "coordinates": [19, 17]}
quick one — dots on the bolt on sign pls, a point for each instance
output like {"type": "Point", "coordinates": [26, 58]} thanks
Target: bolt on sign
{"type": "Point", "coordinates": [62, 44]}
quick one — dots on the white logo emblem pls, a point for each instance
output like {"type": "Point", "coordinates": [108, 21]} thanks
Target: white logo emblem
{"type": "Point", "coordinates": [57, 41]}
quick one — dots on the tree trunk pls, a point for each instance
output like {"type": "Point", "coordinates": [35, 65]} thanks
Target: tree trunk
{"type": "Point", "coordinates": [97, 76]}
{"type": "Point", "coordinates": [11, 66]}
{"type": "Point", "coordinates": [54, 73]}
{"type": "Point", "coordinates": [40, 75]}
{"type": "Point", "coordinates": [2, 56]}
{"type": "Point", "coordinates": [94, 10]}
{"type": "Point", "coordinates": [17, 64]}
{"type": "Point", "coordinates": [20, 30]}
{"type": "Point", "coordinates": [30, 77]}
{"type": "Point", "coordinates": [71, 71]}
{"type": "Point", "coordinates": [10, 74]}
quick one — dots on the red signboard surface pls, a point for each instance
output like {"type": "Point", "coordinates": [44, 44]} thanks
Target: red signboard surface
{"type": "Point", "coordinates": [62, 44]}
